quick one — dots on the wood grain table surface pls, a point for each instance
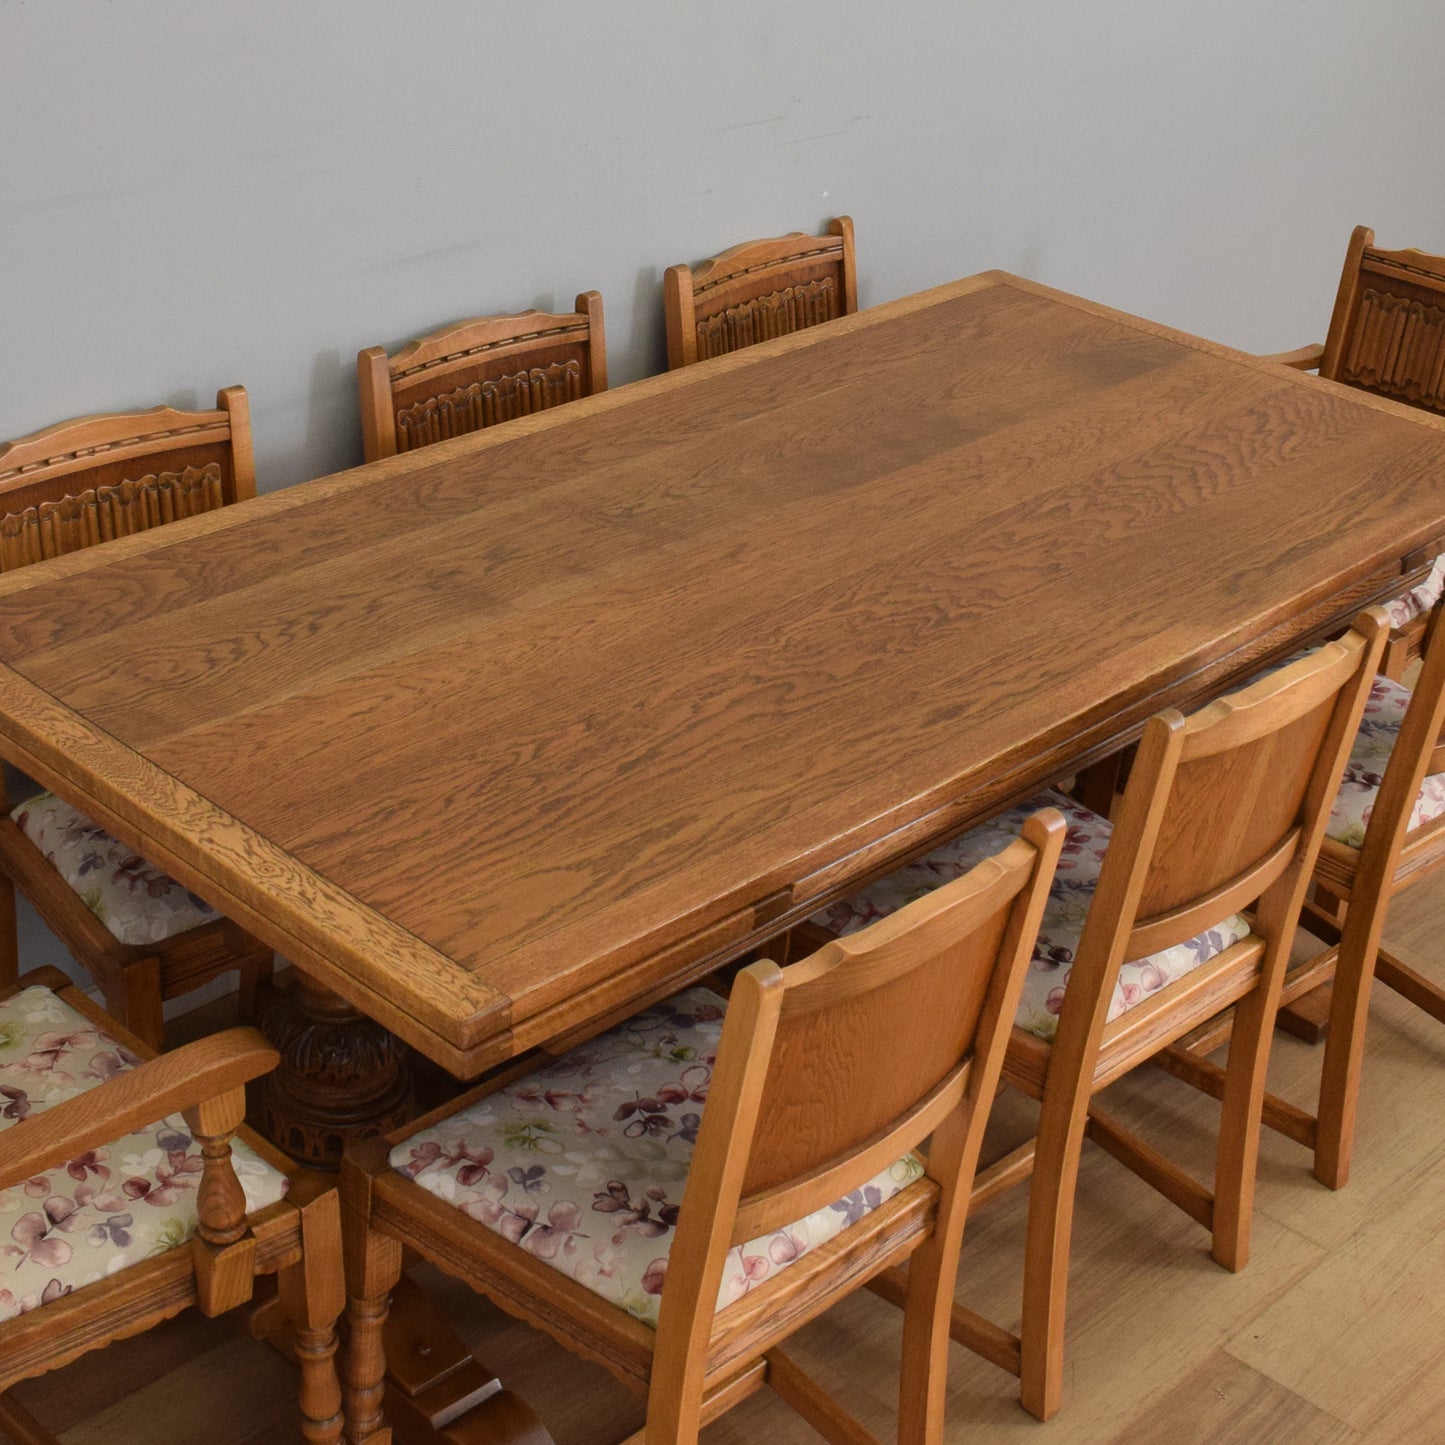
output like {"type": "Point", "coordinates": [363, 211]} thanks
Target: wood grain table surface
{"type": "Point", "coordinates": [498, 738]}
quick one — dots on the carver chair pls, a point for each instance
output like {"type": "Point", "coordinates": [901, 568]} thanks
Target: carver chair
{"type": "Point", "coordinates": [1386, 832]}
{"type": "Point", "coordinates": [1186, 903]}
{"type": "Point", "coordinates": [123, 1200]}
{"type": "Point", "coordinates": [141, 935]}
{"type": "Point", "coordinates": [473, 374]}
{"type": "Point", "coordinates": [790, 1112]}
{"type": "Point", "coordinates": [759, 290]}
{"type": "Point", "coordinates": [1387, 336]}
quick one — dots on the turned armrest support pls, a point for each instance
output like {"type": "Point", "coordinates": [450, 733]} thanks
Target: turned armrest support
{"type": "Point", "coordinates": [1307, 358]}
{"type": "Point", "coordinates": [187, 1078]}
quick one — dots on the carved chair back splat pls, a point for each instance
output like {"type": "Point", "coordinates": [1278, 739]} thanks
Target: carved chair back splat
{"type": "Point", "coordinates": [474, 374]}
{"type": "Point", "coordinates": [759, 290]}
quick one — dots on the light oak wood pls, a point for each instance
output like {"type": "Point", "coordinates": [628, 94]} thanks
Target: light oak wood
{"type": "Point", "coordinates": [474, 374]}
{"type": "Point", "coordinates": [297, 1239]}
{"type": "Point", "coordinates": [1223, 811]}
{"type": "Point", "coordinates": [504, 737]}
{"type": "Point", "coordinates": [1386, 336]}
{"type": "Point", "coordinates": [759, 290]}
{"type": "Point", "coordinates": [907, 1058]}
{"type": "Point", "coordinates": [1362, 882]}
{"type": "Point", "coordinates": [71, 486]}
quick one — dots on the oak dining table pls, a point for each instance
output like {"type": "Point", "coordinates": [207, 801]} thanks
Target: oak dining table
{"type": "Point", "coordinates": [500, 739]}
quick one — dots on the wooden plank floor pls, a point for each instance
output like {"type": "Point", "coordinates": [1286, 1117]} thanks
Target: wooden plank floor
{"type": "Point", "coordinates": [1331, 1334]}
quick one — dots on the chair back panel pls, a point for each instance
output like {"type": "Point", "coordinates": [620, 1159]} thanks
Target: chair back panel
{"type": "Point", "coordinates": [847, 1069]}
{"type": "Point", "coordinates": [1229, 810]}
{"type": "Point", "coordinates": [758, 291]}
{"type": "Point", "coordinates": [483, 393]}
{"type": "Point", "coordinates": [1387, 334]}
{"type": "Point", "coordinates": [98, 478]}
{"type": "Point", "coordinates": [1254, 777]}
{"type": "Point", "coordinates": [478, 373]}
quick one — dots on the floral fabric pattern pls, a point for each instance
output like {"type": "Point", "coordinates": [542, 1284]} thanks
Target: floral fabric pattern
{"type": "Point", "coordinates": [584, 1163]}
{"type": "Point", "coordinates": [1063, 923]}
{"type": "Point", "coordinates": [1403, 610]}
{"type": "Point", "coordinates": [110, 1207]}
{"type": "Point", "coordinates": [1379, 727]}
{"type": "Point", "coordinates": [136, 902]}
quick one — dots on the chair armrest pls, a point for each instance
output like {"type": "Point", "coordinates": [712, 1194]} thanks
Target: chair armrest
{"type": "Point", "coordinates": [192, 1075]}
{"type": "Point", "coordinates": [1307, 358]}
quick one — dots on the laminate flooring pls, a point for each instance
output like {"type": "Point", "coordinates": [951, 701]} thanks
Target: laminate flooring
{"type": "Point", "coordinates": [1331, 1334]}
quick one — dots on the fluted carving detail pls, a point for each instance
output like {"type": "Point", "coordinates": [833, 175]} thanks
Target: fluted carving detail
{"type": "Point", "coordinates": [1398, 347]}
{"type": "Point", "coordinates": [485, 403]}
{"type": "Point", "coordinates": [777, 314]}
{"type": "Point", "coordinates": [100, 514]}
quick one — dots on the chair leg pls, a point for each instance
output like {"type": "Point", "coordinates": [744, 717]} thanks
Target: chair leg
{"type": "Point", "coordinates": [1046, 1256]}
{"type": "Point", "coordinates": [140, 1002]}
{"type": "Point", "coordinates": [9, 938]}
{"type": "Point", "coordinates": [1343, 1064]}
{"type": "Point", "coordinates": [313, 1292]}
{"type": "Point", "coordinates": [1240, 1121]}
{"type": "Point", "coordinates": [373, 1266]}
{"type": "Point", "coordinates": [20, 1425]}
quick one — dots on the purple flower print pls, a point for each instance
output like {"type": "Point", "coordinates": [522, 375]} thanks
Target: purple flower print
{"type": "Point", "coordinates": [115, 1230]}
{"type": "Point", "coordinates": [637, 1215]}
{"type": "Point", "coordinates": [655, 1276]}
{"type": "Point", "coordinates": [34, 1235]}
{"type": "Point", "coordinates": [855, 1205]}
{"type": "Point", "coordinates": [16, 1102]}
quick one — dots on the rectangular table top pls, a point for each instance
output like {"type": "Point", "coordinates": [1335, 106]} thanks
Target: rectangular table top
{"type": "Point", "coordinates": [501, 736]}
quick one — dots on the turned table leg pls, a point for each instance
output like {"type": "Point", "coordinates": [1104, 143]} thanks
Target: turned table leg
{"type": "Point", "coordinates": [343, 1079]}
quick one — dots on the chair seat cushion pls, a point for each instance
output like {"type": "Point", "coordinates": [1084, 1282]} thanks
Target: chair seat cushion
{"type": "Point", "coordinates": [1404, 610]}
{"type": "Point", "coordinates": [136, 902]}
{"type": "Point", "coordinates": [583, 1163]}
{"type": "Point", "coordinates": [1069, 897]}
{"type": "Point", "coordinates": [1365, 771]}
{"type": "Point", "coordinates": [111, 1207]}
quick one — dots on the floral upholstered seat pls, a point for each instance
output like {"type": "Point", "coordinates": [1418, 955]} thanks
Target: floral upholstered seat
{"type": "Point", "coordinates": [138, 903]}
{"type": "Point", "coordinates": [1404, 610]}
{"type": "Point", "coordinates": [1375, 741]}
{"type": "Point", "coordinates": [110, 1208]}
{"type": "Point", "coordinates": [583, 1163]}
{"type": "Point", "coordinates": [1063, 922]}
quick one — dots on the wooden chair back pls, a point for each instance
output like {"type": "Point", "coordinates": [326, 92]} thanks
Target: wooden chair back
{"type": "Point", "coordinates": [477, 373]}
{"type": "Point", "coordinates": [759, 290]}
{"type": "Point", "coordinates": [1387, 333]}
{"type": "Point", "coordinates": [835, 1067]}
{"type": "Point", "coordinates": [1226, 810]}
{"type": "Point", "coordinates": [99, 477]}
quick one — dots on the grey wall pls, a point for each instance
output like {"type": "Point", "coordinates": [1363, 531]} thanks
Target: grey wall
{"type": "Point", "coordinates": [193, 195]}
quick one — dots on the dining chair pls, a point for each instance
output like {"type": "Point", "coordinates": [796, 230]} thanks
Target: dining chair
{"type": "Point", "coordinates": [141, 935]}
{"type": "Point", "coordinates": [1387, 336]}
{"type": "Point", "coordinates": [475, 373]}
{"type": "Point", "coordinates": [1386, 833]}
{"type": "Point", "coordinates": [759, 290]}
{"type": "Point", "coordinates": [124, 1200]}
{"type": "Point", "coordinates": [1182, 905]}
{"type": "Point", "coordinates": [790, 1112]}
